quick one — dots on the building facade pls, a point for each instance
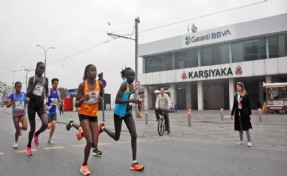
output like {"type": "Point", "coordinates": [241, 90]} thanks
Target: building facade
{"type": "Point", "coordinates": [200, 69]}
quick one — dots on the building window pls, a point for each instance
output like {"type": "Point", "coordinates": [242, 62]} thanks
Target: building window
{"type": "Point", "coordinates": [206, 56]}
{"type": "Point", "coordinates": [282, 42]}
{"type": "Point", "coordinates": [186, 59]}
{"type": "Point", "coordinates": [273, 46]}
{"type": "Point", "coordinates": [158, 63]}
{"type": "Point", "coordinates": [248, 50]}
{"type": "Point", "coordinates": [254, 49]}
{"type": "Point", "coordinates": [225, 57]}
{"type": "Point", "coordinates": [236, 49]}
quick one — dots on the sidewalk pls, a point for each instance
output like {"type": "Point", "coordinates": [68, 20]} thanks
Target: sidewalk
{"type": "Point", "coordinates": [205, 116]}
{"type": "Point", "coordinates": [214, 116]}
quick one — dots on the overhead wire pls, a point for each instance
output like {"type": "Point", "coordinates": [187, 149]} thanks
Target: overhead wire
{"type": "Point", "coordinates": [80, 52]}
{"type": "Point", "coordinates": [154, 28]}
{"type": "Point", "coordinates": [203, 16]}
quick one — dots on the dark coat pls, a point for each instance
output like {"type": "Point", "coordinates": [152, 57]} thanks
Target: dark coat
{"type": "Point", "coordinates": [241, 116]}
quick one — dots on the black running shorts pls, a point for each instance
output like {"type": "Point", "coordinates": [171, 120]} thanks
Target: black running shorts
{"type": "Point", "coordinates": [35, 106]}
{"type": "Point", "coordinates": [90, 118]}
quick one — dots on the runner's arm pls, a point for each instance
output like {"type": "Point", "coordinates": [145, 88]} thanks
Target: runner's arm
{"type": "Point", "coordinates": [80, 97]}
{"type": "Point", "coordinates": [11, 101]}
{"type": "Point", "coordinates": [31, 86]}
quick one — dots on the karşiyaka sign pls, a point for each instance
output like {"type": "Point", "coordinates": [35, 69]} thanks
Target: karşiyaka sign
{"type": "Point", "coordinates": [210, 73]}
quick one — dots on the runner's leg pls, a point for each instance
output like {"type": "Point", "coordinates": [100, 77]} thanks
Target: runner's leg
{"type": "Point", "coordinates": [17, 127]}
{"type": "Point", "coordinates": [118, 126]}
{"type": "Point", "coordinates": [44, 119]}
{"type": "Point", "coordinates": [23, 121]}
{"type": "Point", "coordinates": [85, 124]}
{"type": "Point", "coordinates": [130, 123]}
{"type": "Point", "coordinates": [31, 116]}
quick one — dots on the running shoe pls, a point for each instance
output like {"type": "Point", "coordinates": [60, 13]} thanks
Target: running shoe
{"type": "Point", "coordinates": [15, 145]}
{"type": "Point", "coordinates": [137, 167]}
{"type": "Point", "coordinates": [36, 140]}
{"type": "Point", "coordinates": [51, 143]}
{"type": "Point", "coordinates": [29, 151]}
{"type": "Point", "coordinates": [69, 125]}
{"type": "Point", "coordinates": [97, 152]}
{"type": "Point", "coordinates": [85, 170]}
{"type": "Point", "coordinates": [239, 143]}
{"type": "Point", "coordinates": [80, 134]}
{"type": "Point", "coordinates": [249, 144]}
{"type": "Point", "coordinates": [100, 128]}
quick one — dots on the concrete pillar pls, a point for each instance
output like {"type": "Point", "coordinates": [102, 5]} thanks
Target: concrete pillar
{"type": "Point", "coordinates": [173, 94]}
{"type": "Point", "coordinates": [200, 95]}
{"type": "Point", "coordinates": [146, 98]}
{"type": "Point", "coordinates": [231, 92]}
{"type": "Point", "coordinates": [188, 96]}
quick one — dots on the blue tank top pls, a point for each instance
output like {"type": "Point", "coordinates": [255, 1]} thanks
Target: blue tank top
{"type": "Point", "coordinates": [123, 109]}
{"type": "Point", "coordinates": [19, 107]}
{"type": "Point", "coordinates": [52, 101]}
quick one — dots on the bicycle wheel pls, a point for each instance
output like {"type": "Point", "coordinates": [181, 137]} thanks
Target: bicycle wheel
{"type": "Point", "coordinates": [160, 127]}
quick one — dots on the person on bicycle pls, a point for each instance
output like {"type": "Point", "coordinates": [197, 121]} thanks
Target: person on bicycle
{"type": "Point", "coordinates": [163, 104]}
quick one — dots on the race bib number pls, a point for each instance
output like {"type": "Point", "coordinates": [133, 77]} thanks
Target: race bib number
{"type": "Point", "coordinates": [93, 97]}
{"type": "Point", "coordinates": [54, 101]}
{"type": "Point", "coordinates": [38, 90]}
{"type": "Point", "coordinates": [239, 105]}
{"type": "Point", "coordinates": [19, 105]}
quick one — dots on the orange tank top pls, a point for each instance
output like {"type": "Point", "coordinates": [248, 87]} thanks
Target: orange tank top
{"type": "Point", "coordinates": [90, 107]}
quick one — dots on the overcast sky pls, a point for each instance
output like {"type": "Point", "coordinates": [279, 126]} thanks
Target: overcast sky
{"type": "Point", "coordinates": [73, 26]}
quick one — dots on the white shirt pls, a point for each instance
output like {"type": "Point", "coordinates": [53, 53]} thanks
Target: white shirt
{"type": "Point", "coordinates": [163, 102]}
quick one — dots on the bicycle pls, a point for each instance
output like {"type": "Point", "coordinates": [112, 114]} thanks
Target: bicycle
{"type": "Point", "coordinates": [161, 123]}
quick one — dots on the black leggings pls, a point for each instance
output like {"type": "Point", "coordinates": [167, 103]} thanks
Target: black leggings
{"type": "Point", "coordinates": [130, 123]}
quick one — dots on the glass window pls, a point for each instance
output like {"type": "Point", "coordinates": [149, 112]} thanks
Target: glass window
{"type": "Point", "coordinates": [236, 49]}
{"type": "Point", "coordinates": [186, 59]}
{"type": "Point", "coordinates": [224, 54]}
{"type": "Point", "coordinates": [158, 63]}
{"type": "Point", "coordinates": [168, 61]}
{"type": "Point", "coordinates": [254, 49]}
{"type": "Point", "coordinates": [282, 42]}
{"type": "Point", "coordinates": [273, 46]}
{"type": "Point", "coordinates": [206, 56]}
{"type": "Point", "coordinates": [216, 54]}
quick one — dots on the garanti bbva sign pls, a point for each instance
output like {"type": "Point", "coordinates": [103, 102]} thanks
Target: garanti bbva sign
{"type": "Point", "coordinates": [208, 37]}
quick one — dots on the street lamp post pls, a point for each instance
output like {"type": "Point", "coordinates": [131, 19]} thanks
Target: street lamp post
{"type": "Point", "coordinates": [13, 72]}
{"type": "Point", "coordinates": [45, 51]}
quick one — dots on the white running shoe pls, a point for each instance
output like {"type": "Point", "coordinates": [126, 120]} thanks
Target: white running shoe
{"type": "Point", "coordinates": [51, 143]}
{"type": "Point", "coordinates": [249, 144]}
{"type": "Point", "coordinates": [15, 145]}
{"type": "Point", "coordinates": [239, 143]}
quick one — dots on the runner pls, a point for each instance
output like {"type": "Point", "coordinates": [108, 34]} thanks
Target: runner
{"type": "Point", "coordinates": [80, 135]}
{"type": "Point", "coordinates": [53, 100]}
{"type": "Point", "coordinates": [18, 102]}
{"type": "Point", "coordinates": [37, 90]}
{"type": "Point", "coordinates": [90, 93]}
{"type": "Point", "coordinates": [124, 112]}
